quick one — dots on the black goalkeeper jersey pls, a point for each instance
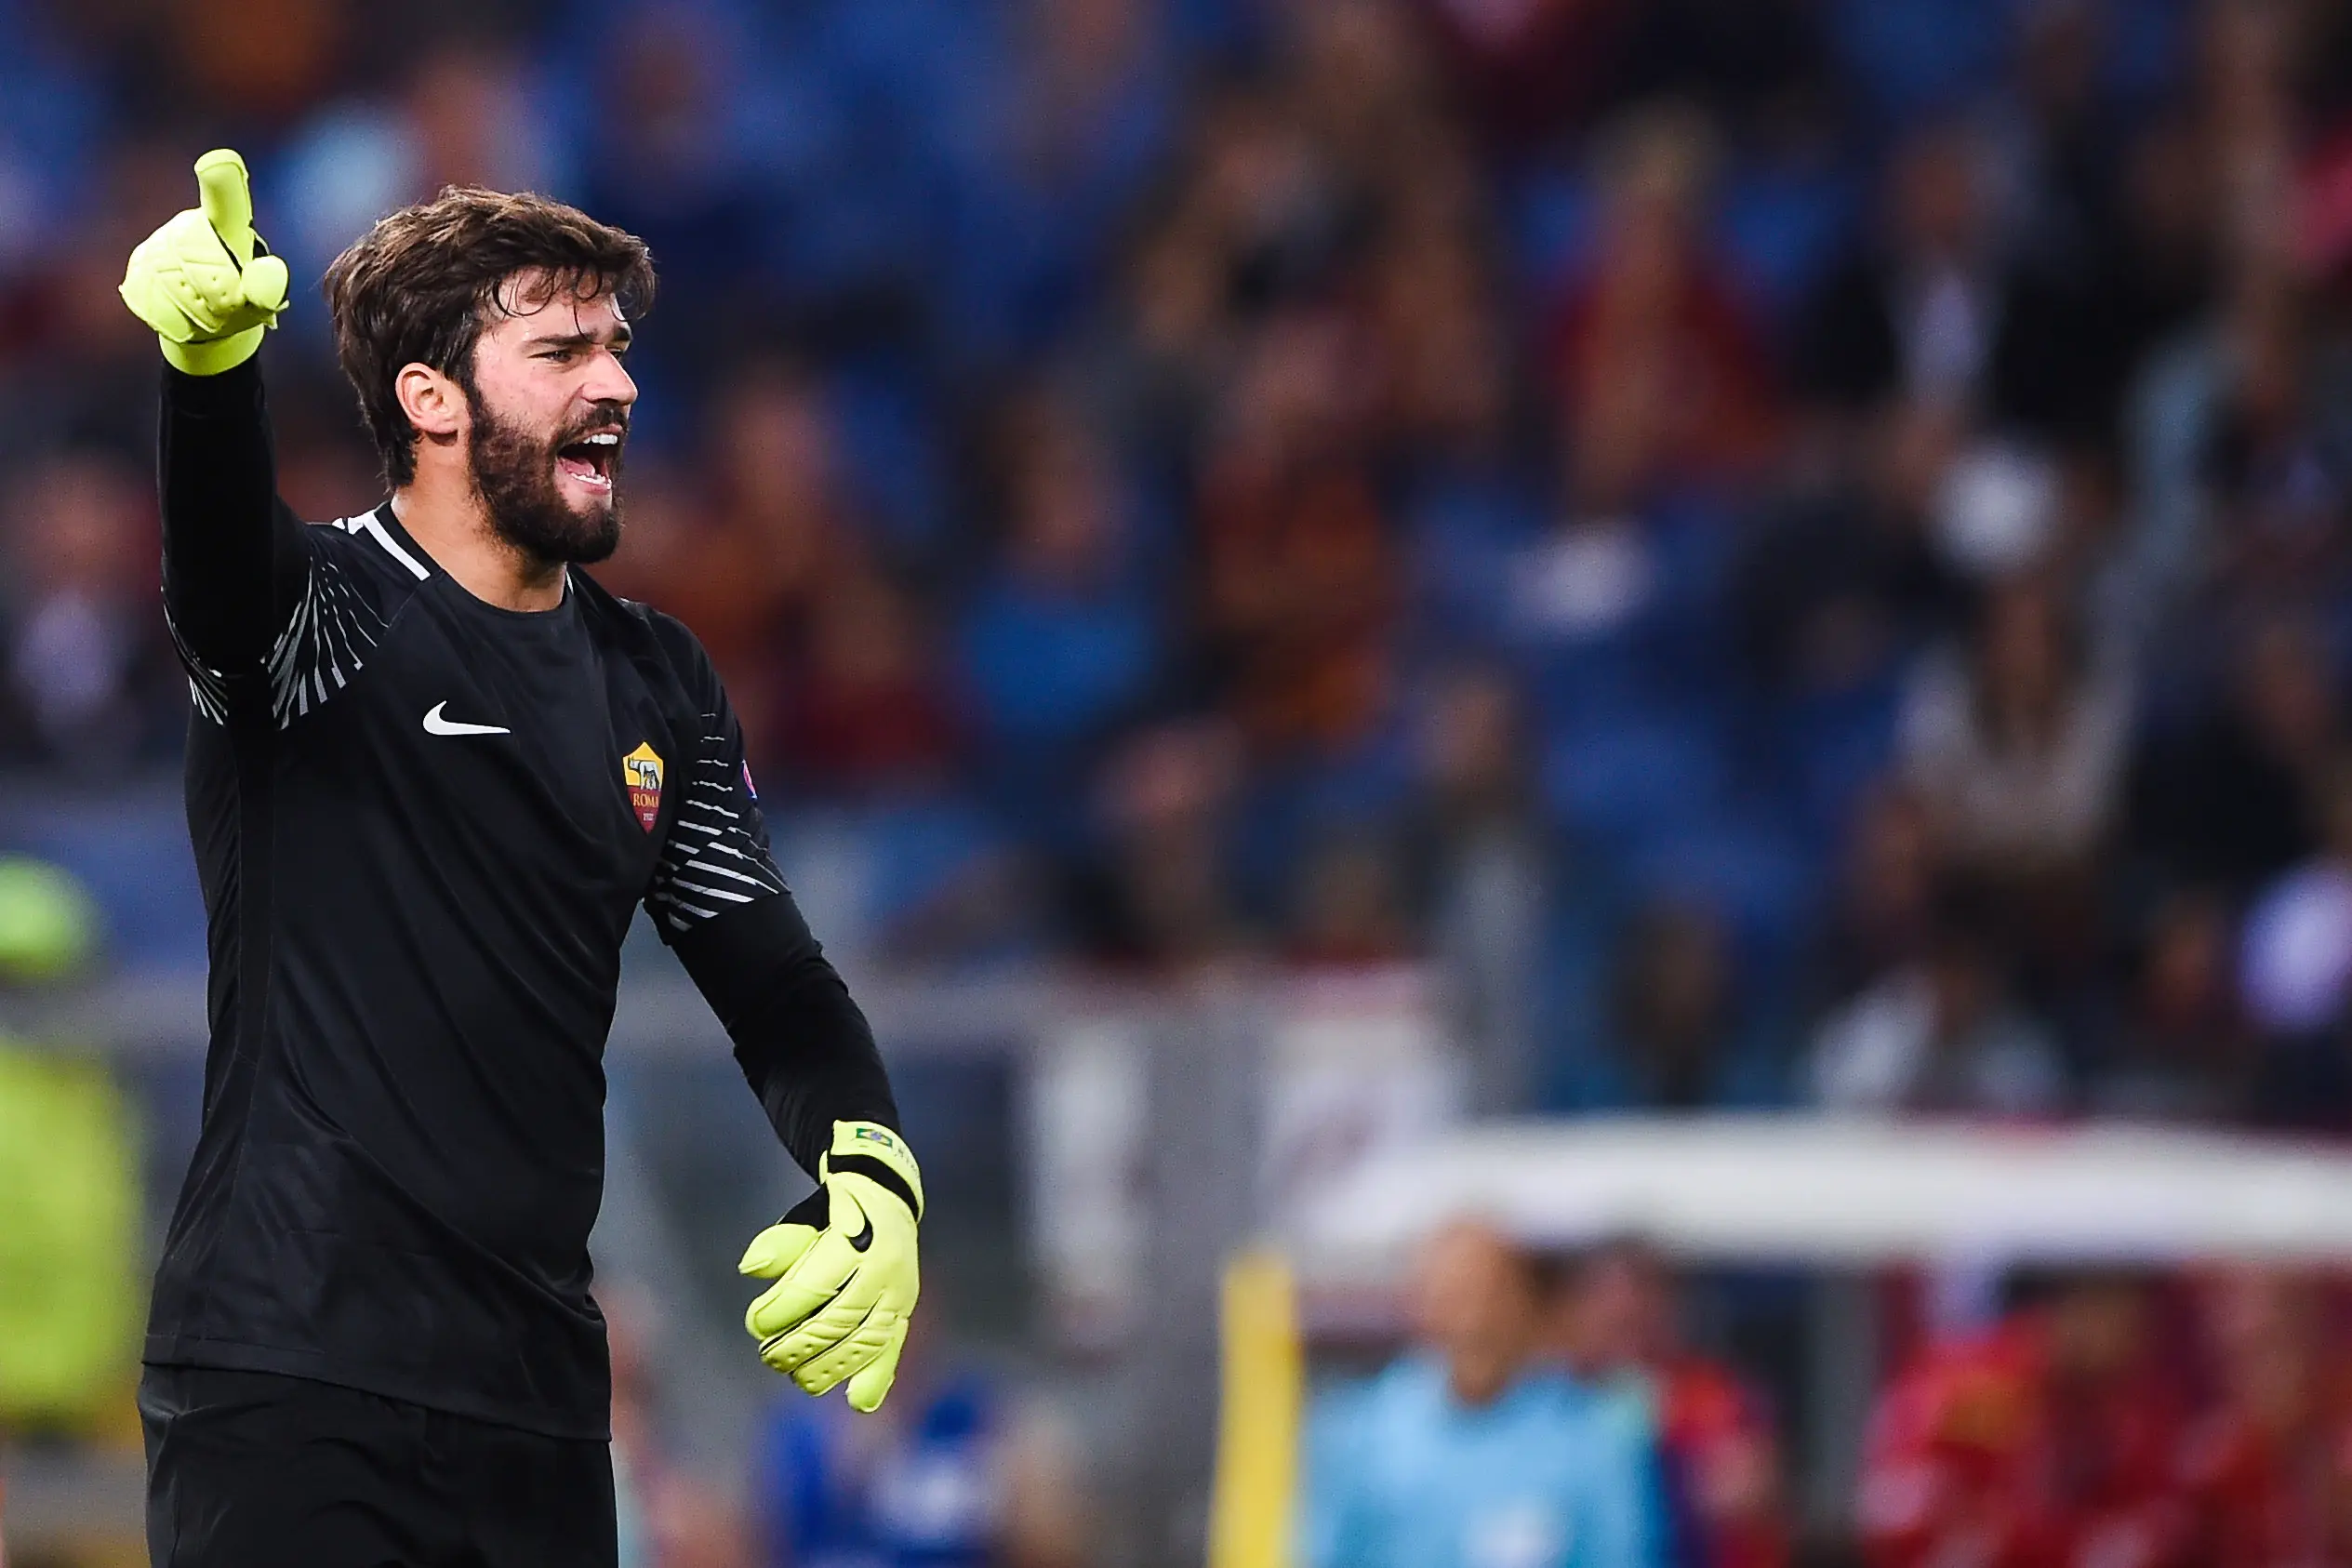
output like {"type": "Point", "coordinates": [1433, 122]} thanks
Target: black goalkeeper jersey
{"type": "Point", "coordinates": [423, 825]}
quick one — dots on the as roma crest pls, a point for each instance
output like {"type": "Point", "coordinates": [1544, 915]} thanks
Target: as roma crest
{"type": "Point", "coordinates": [641, 770]}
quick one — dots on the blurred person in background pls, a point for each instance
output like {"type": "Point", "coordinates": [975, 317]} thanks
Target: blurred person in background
{"type": "Point", "coordinates": [1912, 310]}
{"type": "Point", "coordinates": [1484, 868]}
{"type": "Point", "coordinates": [2235, 797]}
{"type": "Point", "coordinates": [2179, 1048]}
{"type": "Point", "coordinates": [1619, 1325]}
{"type": "Point", "coordinates": [1159, 896]}
{"type": "Point", "coordinates": [1884, 909]}
{"type": "Point", "coordinates": [2017, 749]}
{"type": "Point", "coordinates": [2268, 1475]}
{"type": "Point", "coordinates": [83, 658]}
{"type": "Point", "coordinates": [1842, 583]}
{"type": "Point", "coordinates": [1683, 1032]}
{"type": "Point", "coordinates": [774, 534]}
{"type": "Point", "coordinates": [1469, 1453]}
{"type": "Point", "coordinates": [1348, 909]}
{"type": "Point", "coordinates": [1654, 344]}
{"type": "Point", "coordinates": [69, 1168]}
{"type": "Point", "coordinates": [865, 712]}
{"type": "Point", "coordinates": [961, 1472]}
{"type": "Point", "coordinates": [1062, 637]}
{"type": "Point", "coordinates": [1300, 576]}
{"type": "Point", "coordinates": [1943, 1034]}
{"type": "Point", "coordinates": [2049, 1443]}
{"type": "Point", "coordinates": [2295, 971]}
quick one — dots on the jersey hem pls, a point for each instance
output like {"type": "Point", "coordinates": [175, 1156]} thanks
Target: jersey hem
{"type": "Point", "coordinates": [235, 1356]}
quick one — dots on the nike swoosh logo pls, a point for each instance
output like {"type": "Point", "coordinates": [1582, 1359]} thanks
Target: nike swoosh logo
{"type": "Point", "coordinates": [864, 1238]}
{"type": "Point", "coordinates": [437, 725]}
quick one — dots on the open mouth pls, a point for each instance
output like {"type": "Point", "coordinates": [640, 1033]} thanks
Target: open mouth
{"type": "Point", "coordinates": [593, 459]}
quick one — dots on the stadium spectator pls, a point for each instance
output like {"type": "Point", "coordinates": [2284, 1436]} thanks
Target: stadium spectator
{"type": "Point", "coordinates": [1619, 1328]}
{"type": "Point", "coordinates": [1655, 346]}
{"type": "Point", "coordinates": [1160, 895]}
{"type": "Point", "coordinates": [1684, 1034]}
{"type": "Point", "coordinates": [1883, 911]}
{"type": "Point", "coordinates": [1842, 583]}
{"type": "Point", "coordinates": [1525, 69]}
{"type": "Point", "coordinates": [1060, 638]}
{"type": "Point", "coordinates": [2233, 800]}
{"type": "Point", "coordinates": [1943, 1034]}
{"type": "Point", "coordinates": [763, 543]}
{"type": "Point", "coordinates": [1485, 869]}
{"type": "Point", "coordinates": [2018, 750]}
{"type": "Point", "coordinates": [2181, 1049]}
{"type": "Point", "coordinates": [85, 655]}
{"type": "Point", "coordinates": [1913, 310]}
{"type": "Point", "coordinates": [1350, 906]}
{"type": "Point", "coordinates": [2052, 1439]}
{"type": "Point", "coordinates": [867, 712]}
{"type": "Point", "coordinates": [2296, 968]}
{"type": "Point", "coordinates": [2266, 1474]}
{"type": "Point", "coordinates": [1467, 1451]}
{"type": "Point", "coordinates": [1298, 571]}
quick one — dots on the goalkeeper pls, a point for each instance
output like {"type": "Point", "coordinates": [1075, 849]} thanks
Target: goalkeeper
{"type": "Point", "coordinates": [432, 770]}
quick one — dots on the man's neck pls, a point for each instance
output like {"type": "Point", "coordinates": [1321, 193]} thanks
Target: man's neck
{"type": "Point", "coordinates": [445, 518]}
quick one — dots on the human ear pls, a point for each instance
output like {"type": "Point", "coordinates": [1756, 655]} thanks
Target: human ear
{"type": "Point", "coordinates": [431, 400]}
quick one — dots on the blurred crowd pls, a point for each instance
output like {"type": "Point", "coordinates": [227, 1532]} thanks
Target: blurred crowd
{"type": "Point", "coordinates": [1554, 1412]}
{"type": "Point", "coordinates": [1799, 545]}
{"type": "Point", "coordinates": [1798, 549]}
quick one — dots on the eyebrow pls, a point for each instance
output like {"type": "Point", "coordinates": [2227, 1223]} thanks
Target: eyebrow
{"type": "Point", "coordinates": [621, 339]}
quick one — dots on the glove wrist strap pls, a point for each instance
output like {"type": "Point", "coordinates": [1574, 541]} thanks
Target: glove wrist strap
{"type": "Point", "coordinates": [881, 1156]}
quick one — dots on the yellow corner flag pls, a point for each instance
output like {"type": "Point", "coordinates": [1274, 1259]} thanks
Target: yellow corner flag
{"type": "Point", "coordinates": [1250, 1523]}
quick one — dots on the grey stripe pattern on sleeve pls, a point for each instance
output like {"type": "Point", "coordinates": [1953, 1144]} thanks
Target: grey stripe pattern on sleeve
{"type": "Point", "coordinates": [324, 643]}
{"type": "Point", "coordinates": [717, 857]}
{"type": "Point", "coordinates": [207, 687]}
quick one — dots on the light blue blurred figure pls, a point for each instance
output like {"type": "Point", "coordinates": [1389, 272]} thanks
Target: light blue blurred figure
{"type": "Point", "coordinates": [1469, 1453]}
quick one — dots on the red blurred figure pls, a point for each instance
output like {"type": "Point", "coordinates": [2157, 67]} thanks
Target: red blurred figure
{"type": "Point", "coordinates": [1618, 1325]}
{"type": "Point", "coordinates": [2269, 1475]}
{"type": "Point", "coordinates": [1658, 362]}
{"type": "Point", "coordinates": [2048, 1443]}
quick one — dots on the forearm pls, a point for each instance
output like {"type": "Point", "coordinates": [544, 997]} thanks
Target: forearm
{"type": "Point", "coordinates": [802, 1043]}
{"type": "Point", "coordinates": [232, 556]}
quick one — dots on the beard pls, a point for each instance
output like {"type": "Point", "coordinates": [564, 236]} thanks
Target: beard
{"type": "Point", "coordinates": [513, 471]}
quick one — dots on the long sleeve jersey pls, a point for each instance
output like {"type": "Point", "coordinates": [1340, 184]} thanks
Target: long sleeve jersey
{"type": "Point", "coordinates": [423, 825]}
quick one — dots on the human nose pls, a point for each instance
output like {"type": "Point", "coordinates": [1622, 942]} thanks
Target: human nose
{"type": "Point", "coordinates": [609, 381]}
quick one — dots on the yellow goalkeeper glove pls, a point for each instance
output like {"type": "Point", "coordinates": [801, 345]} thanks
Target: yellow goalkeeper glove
{"type": "Point", "coordinates": [204, 281]}
{"type": "Point", "coordinates": [844, 1263]}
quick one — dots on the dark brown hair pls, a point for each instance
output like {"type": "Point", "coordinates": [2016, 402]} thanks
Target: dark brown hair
{"type": "Point", "coordinates": [418, 288]}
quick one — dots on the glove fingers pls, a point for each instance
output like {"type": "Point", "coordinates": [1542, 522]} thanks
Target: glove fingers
{"type": "Point", "coordinates": [821, 1330]}
{"type": "Point", "coordinates": [816, 1278]}
{"type": "Point", "coordinates": [225, 195]}
{"type": "Point", "coordinates": [266, 284]}
{"type": "Point", "coordinates": [159, 313]}
{"type": "Point", "coordinates": [870, 1384]}
{"type": "Point", "coordinates": [880, 1331]}
{"type": "Point", "coordinates": [776, 1249]}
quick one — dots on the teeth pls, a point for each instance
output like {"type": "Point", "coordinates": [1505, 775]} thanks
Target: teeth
{"type": "Point", "coordinates": [608, 439]}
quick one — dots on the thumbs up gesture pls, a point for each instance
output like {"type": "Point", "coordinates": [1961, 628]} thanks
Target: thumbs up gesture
{"type": "Point", "coordinates": [205, 282]}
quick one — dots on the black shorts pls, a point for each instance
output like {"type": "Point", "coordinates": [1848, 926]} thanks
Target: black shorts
{"type": "Point", "coordinates": [248, 1469]}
